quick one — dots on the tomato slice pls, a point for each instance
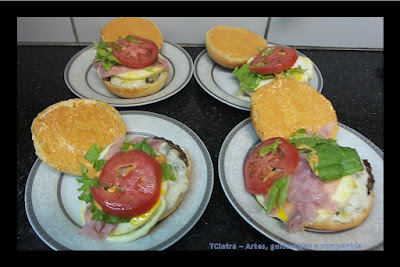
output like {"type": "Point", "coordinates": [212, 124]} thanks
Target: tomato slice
{"type": "Point", "coordinates": [135, 181]}
{"type": "Point", "coordinates": [274, 59]}
{"type": "Point", "coordinates": [138, 54]}
{"type": "Point", "coordinates": [261, 172]}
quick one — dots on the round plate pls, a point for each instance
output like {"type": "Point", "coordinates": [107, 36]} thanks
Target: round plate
{"type": "Point", "coordinates": [82, 79]}
{"type": "Point", "coordinates": [222, 84]}
{"type": "Point", "coordinates": [53, 207]}
{"type": "Point", "coordinates": [368, 235]}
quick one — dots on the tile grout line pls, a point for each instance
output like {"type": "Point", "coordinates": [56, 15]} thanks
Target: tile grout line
{"type": "Point", "coordinates": [267, 28]}
{"type": "Point", "coordinates": [71, 19]}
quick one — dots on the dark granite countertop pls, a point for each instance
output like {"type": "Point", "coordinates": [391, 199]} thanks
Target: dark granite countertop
{"type": "Point", "coordinates": [353, 82]}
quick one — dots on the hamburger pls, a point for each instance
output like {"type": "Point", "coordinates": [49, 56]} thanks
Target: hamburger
{"type": "Point", "coordinates": [130, 186]}
{"type": "Point", "coordinates": [128, 59]}
{"type": "Point", "coordinates": [299, 173]}
{"type": "Point", "coordinates": [127, 184]}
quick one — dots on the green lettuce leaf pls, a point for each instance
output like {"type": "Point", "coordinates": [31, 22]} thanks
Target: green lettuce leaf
{"type": "Point", "coordinates": [329, 161]}
{"type": "Point", "coordinates": [168, 173]}
{"type": "Point", "coordinates": [294, 73]}
{"type": "Point", "coordinates": [104, 55]}
{"type": "Point", "coordinates": [249, 79]}
{"type": "Point", "coordinates": [278, 193]}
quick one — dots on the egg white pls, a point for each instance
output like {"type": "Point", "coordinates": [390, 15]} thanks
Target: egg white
{"type": "Point", "coordinates": [351, 196]}
{"type": "Point", "coordinates": [138, 226]}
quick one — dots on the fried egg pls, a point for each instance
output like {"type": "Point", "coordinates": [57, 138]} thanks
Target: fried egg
{"type": "Point", "coordinates": [139, 225]}
{"type": "Point", "coordinates": [351, 196]}
{"type": "Point", "coordinates": [140, 74]}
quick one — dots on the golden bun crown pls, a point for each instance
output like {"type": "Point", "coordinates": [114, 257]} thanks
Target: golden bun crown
{"type": "Point", "coordinates": [131, 25]}
{"type": "Point", "coordinates": [64, 131]}
{"type": "Point", "coordinates": [232, 46]}
{"type": "Point", "coordinates": [287, 105]}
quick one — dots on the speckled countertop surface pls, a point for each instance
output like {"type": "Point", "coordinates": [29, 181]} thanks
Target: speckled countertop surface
{"type": "Point", "coordinates": [353, 82]}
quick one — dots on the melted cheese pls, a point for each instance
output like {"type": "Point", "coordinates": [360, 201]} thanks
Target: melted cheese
{"type": "Point", "coordinates": [140, 74]}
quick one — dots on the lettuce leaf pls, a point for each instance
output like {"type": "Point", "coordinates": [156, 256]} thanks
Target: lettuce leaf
{"type": "Point", "coordinates": [294, 73]}
{"type": "Point", "coordinates": [249, 79]}
{"type": "Point", "coordinates": [168, 174]}
{"type": "Point", "coordinates": [104, 55]}
{"type": "Point", "coordinates": [278, 193]}
{"type": "Point", "coordinates": [327, 159]}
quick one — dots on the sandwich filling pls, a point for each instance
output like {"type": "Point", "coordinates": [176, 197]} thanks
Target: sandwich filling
{"type": "Point", "coordinates": [130, 62]}
{"type": "Point", "coordinates": [309, 179]}
{"type": "Point", "coordinates": [129, 187]}
{"type": "Point", "coordinates": [270, 62]}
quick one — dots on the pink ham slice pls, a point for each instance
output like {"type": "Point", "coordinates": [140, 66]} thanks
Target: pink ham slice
{"type": "Point", "coordinates": [119, 69]}
{"type": "Point", "coordinates": [95, 228]}
{"type": "Point", "coordinates": [325, 131]}
{"type": "Point", "coordinates": [308, 193]}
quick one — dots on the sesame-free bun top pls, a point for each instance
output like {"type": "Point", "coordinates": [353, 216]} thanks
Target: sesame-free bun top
{"type": "Point", "coordinates": [130, 25]}
{"type": "Point", "coordinates": [232, 46]}
{"type": "Point", "coordinates": [63, 132]}
{"type": "Point", "coordinates": [287, 105]}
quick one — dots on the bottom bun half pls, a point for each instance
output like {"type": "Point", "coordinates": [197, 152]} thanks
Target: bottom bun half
{"type": "Point", "coordinates": [135, 91]}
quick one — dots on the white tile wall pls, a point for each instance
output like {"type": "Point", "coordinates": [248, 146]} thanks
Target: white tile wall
{"type": "Point", "coordinates": [327, 32]}
{"type": "Point", "coordinates": [346, 32]}
{"type": "Point", "coordinates": [44, 30]}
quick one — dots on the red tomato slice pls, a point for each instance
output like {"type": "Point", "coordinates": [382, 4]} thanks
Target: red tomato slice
{"type": "Point", "coordinates": [135, 177]}
{"type": "Point", "coordinates": [138, 54]}
{"type": "Point", "coordinates": [261, 172]}
{"type": "Point", "coordinates": [276, 59]}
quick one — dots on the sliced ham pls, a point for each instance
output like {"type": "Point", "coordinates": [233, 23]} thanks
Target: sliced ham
{"type": "Point", "coordinates": [95, 228]}
{"type": "Point", "coordinates": [119, 69]}
{"type": "Point", "coordinates": [114, 147]}
{"type": "Point", "coordinates": [116, 69]}
{"type": "Point", "coordinates": [325, 131]}
{"type": "Point", "coordinates": [308, 194]}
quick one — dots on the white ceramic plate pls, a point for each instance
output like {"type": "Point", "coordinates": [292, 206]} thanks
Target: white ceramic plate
{"type": "Point", "coordinates": [82, 79]}
{"type": "Point", "coordinates": [53, 207]}
{"type": "Point", "coordinates": [368, 235]}
{"type": "Point", "coordinates": [222, 84]}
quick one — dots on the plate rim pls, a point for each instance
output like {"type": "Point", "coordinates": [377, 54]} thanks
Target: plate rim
{"type": "Point", "coordinates": [175, 91]}
{"type": "Point", "coordinates": [237, 206]}
{"type": "Point", "coordinates": [52, 243]}
{"type": "Point", "coordinates": [228, 96]}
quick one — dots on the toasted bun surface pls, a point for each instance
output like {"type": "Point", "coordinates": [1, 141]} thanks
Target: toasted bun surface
{"type": "Point", "coordinates": [128, 25]}
{"type": "Point", "coordinates": [138, 91]}
{"type": "Point", "coordinates": [63, 132]}
{"type": "Point", "coordinates": [287, 105]}
{"type": "Point", "coordinates": [231, 46]}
